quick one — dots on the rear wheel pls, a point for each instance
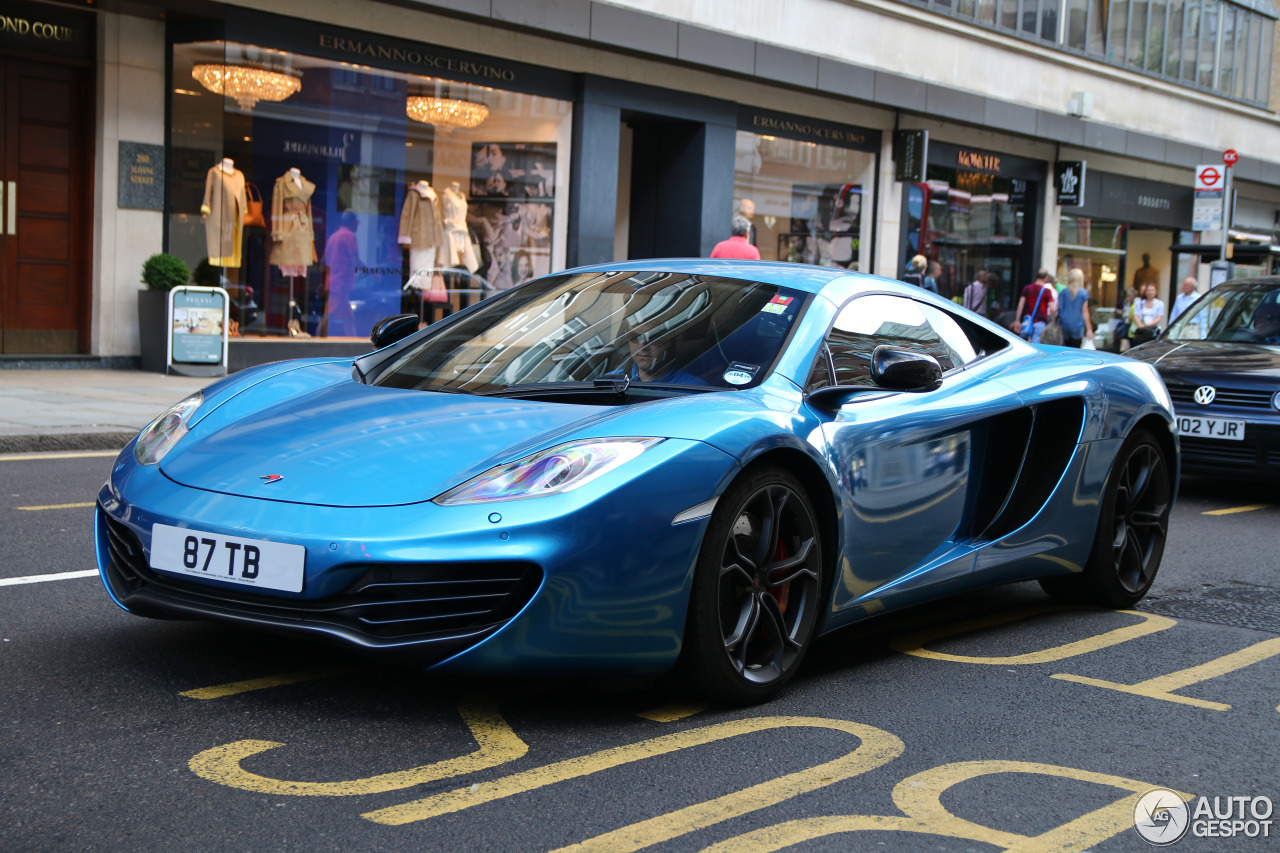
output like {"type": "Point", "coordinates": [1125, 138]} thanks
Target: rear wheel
{"type": "Point", "coordinates": [754, 606]}
{"type": "Point", "coordinates": [1131, 531]}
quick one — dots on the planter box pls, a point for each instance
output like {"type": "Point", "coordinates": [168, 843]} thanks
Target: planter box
{"type": "Point", "coordinates": [153, 321]}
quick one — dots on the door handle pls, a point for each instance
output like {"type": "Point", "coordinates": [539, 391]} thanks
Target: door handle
{"type": "Point", "coordinates": [13, 209]}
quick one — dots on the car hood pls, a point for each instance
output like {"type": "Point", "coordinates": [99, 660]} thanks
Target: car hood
{"type": "Point", "coordinates": [1210, 356]}
{"type": "Point", "coordinates": [325, 439]}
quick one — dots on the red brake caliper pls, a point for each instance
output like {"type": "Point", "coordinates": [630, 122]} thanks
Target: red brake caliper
{"type": "Point", "coordinates": [782, 593]}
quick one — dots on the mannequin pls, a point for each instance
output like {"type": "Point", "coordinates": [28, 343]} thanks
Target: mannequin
{"type": "Point", "coordinates": [422, 231]}
{"type": "Point", "coordinates": [292, 230]}
{"type": "Point", "coordinates": [459, 250]}
{"type": "Point", "coordinates": [223, 211]}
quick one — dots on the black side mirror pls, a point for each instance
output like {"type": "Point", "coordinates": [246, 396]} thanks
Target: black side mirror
{"type": "Point", "coordinates": [388, 330]}
{"type": "Point", "coordinates": [904, 370]}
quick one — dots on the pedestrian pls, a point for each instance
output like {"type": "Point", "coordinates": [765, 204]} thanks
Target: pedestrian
{"type": "Point", "coordinates": [931, 277]}
{"type": "Point", "coordinates": [975, 295]}
{"type": "Point", "coordinates": [737, 246]}
{"type": "Point", "coordinates": [1148, 316]}
{"type": "Point", "coordinates": [1186, 296]}
{"type": "Point", "coordinates": [1123, 321]}
{"type": "Point", "coordinates": [1035, 306]}
{"type": "Point", "coordinates": [1073, 311]}
{"type": "Point", "coordinates": [915, 271]}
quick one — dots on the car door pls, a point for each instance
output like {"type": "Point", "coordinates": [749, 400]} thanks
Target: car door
{"type": "Point", "coordinates": [907, 461]}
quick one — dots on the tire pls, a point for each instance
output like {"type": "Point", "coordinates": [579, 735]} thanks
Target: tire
{"type": "Point", "coordinates": [1132, 528]}
{"type": "Point", "coordinates": [753, 610]}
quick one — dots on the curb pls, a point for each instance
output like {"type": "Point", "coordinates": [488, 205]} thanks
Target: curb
{"type": "Point", "coordinates": [44, 443]}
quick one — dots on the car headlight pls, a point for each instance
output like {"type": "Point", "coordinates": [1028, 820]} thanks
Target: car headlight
{"type": "Point", "coordinates": [550, 472]}
{"type": "Point", "coordinates": [165, 431]}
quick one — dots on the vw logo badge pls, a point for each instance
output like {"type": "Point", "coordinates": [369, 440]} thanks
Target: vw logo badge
{"type": "Point", "coordinates": [1205, 394]}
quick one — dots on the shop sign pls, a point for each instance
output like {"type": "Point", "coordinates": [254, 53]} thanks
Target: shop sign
{"type": "Point", "coordinates": [43, 29]}
{"type": "Point", "coordinates": [141, 176]}
{"type": "Point", "coordinates": [365, 47]}
{"type": "Point", "coordinates": [198, 329]}
{"type": "Point", "coordinates": [1210, 185]}
{"type": "Point", "coordinates": [808, 130]}
{"type": "Point", "coordinates": [1068, 178]}
{"type": "Point", "coordinates": [910, 154]}
{"type": "Point", "coordinates": [978, 161]}
{"type": "Point", "coordinates": [1137, 201]}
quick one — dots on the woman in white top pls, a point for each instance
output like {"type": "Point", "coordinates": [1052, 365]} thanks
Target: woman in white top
{"type": "Point", "coordinates": [1148, 313]}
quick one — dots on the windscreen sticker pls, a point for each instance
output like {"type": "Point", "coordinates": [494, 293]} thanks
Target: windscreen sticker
{"type": "Point", "coordinates": [777, 305]}
{"type": "Point", "coordinates": [739, 373]}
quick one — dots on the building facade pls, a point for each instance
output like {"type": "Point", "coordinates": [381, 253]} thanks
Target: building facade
{"type": "Point", "coordinates": [330, 163]}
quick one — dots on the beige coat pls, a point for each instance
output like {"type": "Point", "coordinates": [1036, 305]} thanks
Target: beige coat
{"type": "Point", "coordinates": [421, 225]}
{"type": "Point", "coordinates": [225, 201]}
{"type": "Point", "coordinates": [292, 231]}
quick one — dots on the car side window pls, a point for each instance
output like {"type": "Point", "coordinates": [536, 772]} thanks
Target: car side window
{"type": "Point", "coordinates": [870, 321]}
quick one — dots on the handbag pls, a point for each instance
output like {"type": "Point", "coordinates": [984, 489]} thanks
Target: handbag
{"type": "Point", "coordinates": [1027, 329]}
{"type": "Point", "coordinates": [253, 217]}
{"type": "Point", "coordinates": [1052, 334]}
{"type": "Point", "coordinates": [437, 292]}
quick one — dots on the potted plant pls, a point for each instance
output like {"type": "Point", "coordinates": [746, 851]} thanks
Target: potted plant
{"type": "Point", "coordinates": [160, 274]}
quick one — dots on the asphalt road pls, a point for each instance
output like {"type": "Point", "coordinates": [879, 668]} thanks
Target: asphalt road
{"type": "Point", "coordinates": [993, 721]}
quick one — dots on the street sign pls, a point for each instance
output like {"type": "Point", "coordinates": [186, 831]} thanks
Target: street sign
{"type": "Point", "coordinates": [1230, 157]}
{"type": "Point", "coordinates": [1210, 179]}
{"type": "Point", "coordinates": [1068, 177]}
{"type": "Point", "coordinates": [1206, 211]}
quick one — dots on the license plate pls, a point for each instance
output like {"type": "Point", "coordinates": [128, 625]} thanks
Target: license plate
{"type": "Point", "coordinates": [235, 559]}
{"type": "Point", "coordinates": [1211, 428]}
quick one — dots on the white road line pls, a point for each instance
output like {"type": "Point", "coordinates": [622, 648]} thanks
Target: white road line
{"type": "Point", "coordinates": [58, 576]}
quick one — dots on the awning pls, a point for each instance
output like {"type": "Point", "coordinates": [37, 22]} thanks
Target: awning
{"type": "Point", "coordinates": [1245, 245]}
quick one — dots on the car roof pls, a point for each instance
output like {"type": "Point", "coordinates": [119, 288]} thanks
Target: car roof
{"type": "Point", "coordinates": [805, 277]}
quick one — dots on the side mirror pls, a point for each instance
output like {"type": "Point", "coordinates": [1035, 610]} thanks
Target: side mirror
{"type": "Point", "coordinates": [904, 370]}
{"type": "Point", "coordinates": [388, 330]}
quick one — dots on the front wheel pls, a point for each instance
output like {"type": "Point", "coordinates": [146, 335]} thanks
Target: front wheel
{"type": "Point", "coordinates": [1132, 528]}
{"type": "Point", "coordinates": [753, 611]}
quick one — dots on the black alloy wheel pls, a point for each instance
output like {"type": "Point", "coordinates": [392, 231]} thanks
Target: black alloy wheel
{"type": "Point", "coordinates": [754, 608]}
{"type": "Point", "coordinates": [1132, 529]}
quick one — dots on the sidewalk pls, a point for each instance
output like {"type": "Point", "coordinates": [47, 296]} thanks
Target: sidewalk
{"type": "Point", "coordinates": [44, 410]}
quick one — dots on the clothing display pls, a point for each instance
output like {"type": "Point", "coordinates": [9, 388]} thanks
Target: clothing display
{"type": "Point", "coordinates": [458, 249]}
{"type": "Point", "coordinates": [223, 210]}
{"type": "Point", "coordinates": [421, 225]}
{"type": "Point", "coordinates": [421, 267]}
{"type": "Point", "coordinates": [293, 246]}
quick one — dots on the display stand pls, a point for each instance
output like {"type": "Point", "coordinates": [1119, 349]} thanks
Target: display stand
{"type": "Point", "coordinates": [196, 331]}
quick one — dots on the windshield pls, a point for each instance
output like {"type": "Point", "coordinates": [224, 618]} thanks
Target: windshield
{"type": "Point", "coordinates": [642, 327]}
{"type": "Point", "coordinates": [1243, 313]}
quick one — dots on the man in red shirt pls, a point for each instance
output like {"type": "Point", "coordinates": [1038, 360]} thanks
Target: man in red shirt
{"type": "Point", "coordinates": [1039, 301]}
{"type": "Point", "coordinates": [737, 246]}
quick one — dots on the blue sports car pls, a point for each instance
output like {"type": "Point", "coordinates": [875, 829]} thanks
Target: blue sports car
{"type": "Point", "coordinates": [681, 466]}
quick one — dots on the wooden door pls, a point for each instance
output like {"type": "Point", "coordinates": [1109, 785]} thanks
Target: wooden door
{"type": "Point", "coordinates": [44, 214]}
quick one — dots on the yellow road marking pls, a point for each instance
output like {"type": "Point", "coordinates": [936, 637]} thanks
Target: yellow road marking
{"type": "Point", "coordinates": [498, 745]}
{"type": "Point", "coordinates": [920, 799]}
{"type": "Point", "coordinates": [877, 747]}
{"type": "Point", "coordinates": [1162, 687]}
{"type": "Point", "coordinates": [57, 506]}
{"type": "Point", "coordinates": [221, 690]}
{"type": "Point", "coordinates": [70, 454]}
{"type": "Point", "coordinates": [675, 711]}
{"type": "Point", "coordinates": [913, 643]}
{"type": "Point", "coordinates": [1236, 509]}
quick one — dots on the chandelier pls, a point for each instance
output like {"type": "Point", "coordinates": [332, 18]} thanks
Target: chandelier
{"type": "Point", "coordinates": [445, 113]}
{"type": "Point", "coordinates": [247, 84]}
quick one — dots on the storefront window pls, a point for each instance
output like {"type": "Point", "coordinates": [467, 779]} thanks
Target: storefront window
{"type": "Point", "coordinates": [966, 222]}
{"type": "Point", "coordinates": [325, 195]}
{"type": "Point", "coordinates": [811, 202]}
